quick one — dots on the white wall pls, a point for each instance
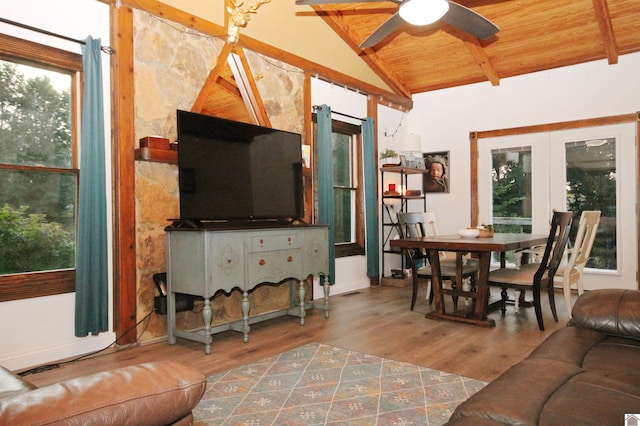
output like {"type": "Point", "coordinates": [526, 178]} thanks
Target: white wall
{"type": "Point", "coordinates": [39, 330]}
{"type": "Point", "coordinates": [444, 118]}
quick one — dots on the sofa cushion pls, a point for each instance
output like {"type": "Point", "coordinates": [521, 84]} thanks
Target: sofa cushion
{"type": "Point", "coordinates": [154, 393]}
{"type": "Point", "coordinates": [518, 396]}
{"type": "Point", "coordinates": [570, 345]}
{"type": "Point", "coordinates": [611, 311]}
{"type": "Point", "coordinates": [591, 399]}
{"type": "Point", "coordinates": [617, 358]}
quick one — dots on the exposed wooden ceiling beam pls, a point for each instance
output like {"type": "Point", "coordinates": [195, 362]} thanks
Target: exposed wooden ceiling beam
{"type": "Point", "coordinates": [606, 30]}
{"type": "Point", "coordinates": [212, 78]}
{"type": "Point", "coordinates": [480, 56]}
{"type": "Point", "coordinates": [376, 65]}
{"type": "Point", "coordinates": [229, 86]}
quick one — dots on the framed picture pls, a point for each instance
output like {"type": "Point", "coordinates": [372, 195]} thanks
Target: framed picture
{"type": "Point", "coordinates": [437, 177]}
{"type": "Point", "coordinates": [420, 163]}
{"type": "Point", "coordinates": [403, 160]}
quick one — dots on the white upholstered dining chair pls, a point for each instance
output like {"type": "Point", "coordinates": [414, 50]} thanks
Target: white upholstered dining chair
{"type": "Point", "coordinates": [578, 255]}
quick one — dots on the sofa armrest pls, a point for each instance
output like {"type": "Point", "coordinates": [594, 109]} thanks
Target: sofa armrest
{"type": "Point", "coordinates": [153, 393]}
{"type": "Point", "coordinates": [610, 311]}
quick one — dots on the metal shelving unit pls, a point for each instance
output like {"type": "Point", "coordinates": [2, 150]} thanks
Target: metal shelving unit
{"type": "Point", "coordinates": [393, 203]}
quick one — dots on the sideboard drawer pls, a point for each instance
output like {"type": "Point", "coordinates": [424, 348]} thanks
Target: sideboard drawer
{"type": "Point", "coordinates": [274, 266]}
{"type": "Point", "coordinates": [259, 242]}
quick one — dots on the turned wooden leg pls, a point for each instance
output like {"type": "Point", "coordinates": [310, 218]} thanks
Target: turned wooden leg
{"type": "Point", "coordinates": [207, 316]}
{"type": "Point", "coordinates": [503, 294]}
{"type": "Point", "coordinates": [245, 316]}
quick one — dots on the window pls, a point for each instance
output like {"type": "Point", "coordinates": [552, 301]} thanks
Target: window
{"type": "Point", "coordinates": [591, 185]}
{"type": "Point", "coordinates": [348, 189]}
{"type": "Point", "coordinates": [38, 168]}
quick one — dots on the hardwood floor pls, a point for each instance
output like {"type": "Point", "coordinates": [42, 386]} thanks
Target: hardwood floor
{"type": "Point", "coordinates": [376, 320]}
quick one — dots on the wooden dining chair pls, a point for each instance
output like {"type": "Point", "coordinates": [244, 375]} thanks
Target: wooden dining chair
{"type": "Point", "coordinates": [578, 255]}
{"type": "Point", "coordinates": [417, 225]}
{"type": "Point", "coordinates": [533, 276]}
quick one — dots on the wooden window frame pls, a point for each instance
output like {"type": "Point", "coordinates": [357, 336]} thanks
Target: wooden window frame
{"type": "Point", "coordinates": [356, 248]}
{"type": "Point", "coordinates": [13, 49]}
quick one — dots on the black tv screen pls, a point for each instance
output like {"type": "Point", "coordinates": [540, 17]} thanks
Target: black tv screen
{"type": "Point", "coordinates": [230, 170]}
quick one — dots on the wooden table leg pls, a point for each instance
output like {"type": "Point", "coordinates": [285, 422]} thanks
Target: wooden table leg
{"type": "Point", "coordinates": [436, 280]}
{"type": "Point", "coordinates": [482, 286]}
{"type": "Point", "coordinates": [479, 314]}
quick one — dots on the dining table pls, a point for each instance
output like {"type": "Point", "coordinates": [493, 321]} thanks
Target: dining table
{"type": "Point", "coordinates": [480, 248]}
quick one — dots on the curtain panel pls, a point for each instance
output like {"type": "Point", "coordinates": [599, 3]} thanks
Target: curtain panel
{"type": "Point", "coordinates": [91, 313]}
{"type": "Point", "coordinates": [370, 198]}
{"type": "Point", "coordinates": [325, 183]}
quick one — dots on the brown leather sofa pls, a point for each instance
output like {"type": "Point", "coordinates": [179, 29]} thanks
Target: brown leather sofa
{"type": "Point", "coordinates": [155, 393]}
{"type": "Point", "coordinates": [587, 373]}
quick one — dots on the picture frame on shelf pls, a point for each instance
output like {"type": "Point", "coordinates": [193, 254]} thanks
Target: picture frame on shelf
{"type": "Point", "coordinates": [437, 177]}
{"type": "Point", "coordinates": [306, 156]}
{"type": "Point", "coordinates": [420, 164]}
{"type": "Point", "coordinates": [403, 160]}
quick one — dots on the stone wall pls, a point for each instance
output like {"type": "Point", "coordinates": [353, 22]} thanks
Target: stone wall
{"type": "Point", "coordinates": [171, 65]}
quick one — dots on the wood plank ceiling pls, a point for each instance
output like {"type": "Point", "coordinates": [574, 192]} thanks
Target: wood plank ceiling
{"type": "Point", "coordinates": [534, 35]}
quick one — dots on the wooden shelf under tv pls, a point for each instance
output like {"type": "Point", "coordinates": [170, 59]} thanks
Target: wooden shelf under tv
{"type": "Point", "coordinates": [156, 155]}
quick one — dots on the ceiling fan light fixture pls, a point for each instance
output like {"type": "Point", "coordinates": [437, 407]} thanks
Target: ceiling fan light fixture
{"type": "Point", "coordinates": [423, 12]}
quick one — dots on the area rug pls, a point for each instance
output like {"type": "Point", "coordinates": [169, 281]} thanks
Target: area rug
{"type": "Point", "coordinates": [318, 384]}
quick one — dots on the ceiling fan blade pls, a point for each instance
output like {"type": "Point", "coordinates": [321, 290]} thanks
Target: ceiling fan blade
{"type": "Point", "coordinates": [469, 21]}
{"type": "Point", "coordinates": [312, 2]}
{"type": "Point", "coordinates": [383, 31]}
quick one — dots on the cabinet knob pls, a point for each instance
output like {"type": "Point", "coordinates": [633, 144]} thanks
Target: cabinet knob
{"type": "Point", "coordinates": [261, 262]}
{"type": "Point", "coordinates": [289, 259]}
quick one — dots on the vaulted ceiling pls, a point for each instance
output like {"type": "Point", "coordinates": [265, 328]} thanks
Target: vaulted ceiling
{"type": "Point", "coordinates": [534, 35]}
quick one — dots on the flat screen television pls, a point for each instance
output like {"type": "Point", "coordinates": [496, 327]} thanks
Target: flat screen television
{"type": "Point", "coordinates": [233, 171]}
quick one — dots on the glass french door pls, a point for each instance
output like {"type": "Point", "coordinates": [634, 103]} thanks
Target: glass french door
{"type": "Point", "coordinates": [523, 178]}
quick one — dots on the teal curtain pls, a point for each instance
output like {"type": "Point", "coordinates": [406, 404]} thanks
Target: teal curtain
{"type": "Point", "coordinates": [91, 314]}
{"type": "Point", "coordinates": [370, 199]}
{"type": "Point", "coordinates": [325, 182]}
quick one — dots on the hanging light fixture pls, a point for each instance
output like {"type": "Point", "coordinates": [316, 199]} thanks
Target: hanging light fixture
{"type": "Point", "coordinates": [423, 12]}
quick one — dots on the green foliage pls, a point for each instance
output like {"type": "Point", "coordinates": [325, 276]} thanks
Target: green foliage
{"type": "Point", "coordinates": [510, 189]}
{"type": "Point", "coordinates": [35, 130]}
{"type": "Point", "coordinates": [37, 182]}
{"type": "Point", "coordinates": [388, 153]}
{"type": "Point", "coordinates": [30, 243]}
{"type": "Point", "coordinates": [595, 189]}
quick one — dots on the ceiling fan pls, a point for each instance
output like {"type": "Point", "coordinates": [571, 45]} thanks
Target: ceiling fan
{"type": "Point", "coordinates": [422, 12]}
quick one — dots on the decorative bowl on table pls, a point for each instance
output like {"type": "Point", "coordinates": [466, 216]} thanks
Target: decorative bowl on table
{"type": "Point", "coordinates": [469, 232]}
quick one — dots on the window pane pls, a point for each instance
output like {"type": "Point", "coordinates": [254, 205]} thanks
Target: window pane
{"type": "Point", "coordinates": [343, 205]}
{"type": "Point", "coordinates": [35, 116]}
{"type": "Point", "coordinates": [591, 185]}
{"type": "Point", "coordinates": [341, 160]}
{"type": "Point", "coordinates": [511, 177]}
{"type": "Point", "coordinates": [37, 223]}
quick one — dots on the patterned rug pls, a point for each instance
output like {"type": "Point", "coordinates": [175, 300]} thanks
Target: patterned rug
{"type": "Point", "coordinates": [317, 384]}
